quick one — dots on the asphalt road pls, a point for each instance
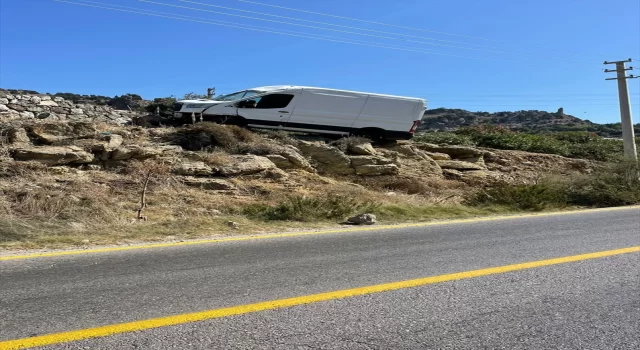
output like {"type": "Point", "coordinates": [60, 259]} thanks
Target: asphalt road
{"type": "Point", "coordinates": [590, 304]}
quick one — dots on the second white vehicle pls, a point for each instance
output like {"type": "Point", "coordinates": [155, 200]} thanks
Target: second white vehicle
{"type": "Point", "coordinates": [322, 111]}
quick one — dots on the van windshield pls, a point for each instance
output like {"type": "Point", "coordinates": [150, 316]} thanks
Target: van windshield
{"type": "Point", "coordinates": [236, 95]}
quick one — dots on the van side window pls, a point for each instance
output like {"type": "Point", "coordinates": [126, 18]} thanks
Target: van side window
{"type": "Point", "coordinates": [274, 101]}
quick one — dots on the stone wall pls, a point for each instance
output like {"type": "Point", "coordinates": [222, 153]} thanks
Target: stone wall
{"type": "Point", "coordinates": [47, 107]}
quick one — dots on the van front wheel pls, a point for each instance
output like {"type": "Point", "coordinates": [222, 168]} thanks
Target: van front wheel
{"type": "Point", "coordinates": [376, 135]}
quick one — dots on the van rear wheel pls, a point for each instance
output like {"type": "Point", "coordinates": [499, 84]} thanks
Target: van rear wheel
{"type": "Point", "coordinates": [376, 135]}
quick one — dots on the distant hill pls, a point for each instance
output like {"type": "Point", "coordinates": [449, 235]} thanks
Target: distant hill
{"type": "Point", "coordinates": [532, 121]}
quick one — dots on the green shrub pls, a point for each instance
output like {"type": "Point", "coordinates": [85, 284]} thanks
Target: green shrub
{"type": "Point", "coordinates": [613, 186]}
{"type": "Point", "coordinates": [573, 144]}
{"type": "Point", "coordinates": [522, 197]}
{"type": "Point", "coordinates": [301, 208]}
{"type": "Point", "coordinates": [445, 138]}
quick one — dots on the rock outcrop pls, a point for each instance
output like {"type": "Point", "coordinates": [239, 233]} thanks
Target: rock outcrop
{"type": "Point", "coordinates": [54, 155]}
{"type": "Point", "coordinates": [246, 165]}
{"type": "Point", "coordinates": [193, 169]}
{"type": "Point", "coordinates": [327, 158]}
{"type": "Point", "coordinates": [46, 107]}
{"type": "Point", "coordinates": [289, 157]}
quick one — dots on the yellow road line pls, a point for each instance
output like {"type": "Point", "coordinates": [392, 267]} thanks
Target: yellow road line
{"type": "Point", "coordinates": [104, 331]}
{"type": "Point", "coordinates": [308, 233]}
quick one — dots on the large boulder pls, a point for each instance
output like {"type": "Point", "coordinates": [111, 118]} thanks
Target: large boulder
{"type": "Point", "coordinates": [61, 133]}
{"type": "Point", "coordinates": [437, 156]}
{"type": "Point", "coordinates": [329, 159]}
{"type": "Point", "coordinates": [459, 165]}
{"type": "Point", "coordinates": [247, 165]}
{"type": "Point", "coordinates": [193, 169]}
{"type": "Point", "coordinates": [143, 152]}
{"type": "Point", "coordinates": [373, 165]}
{"type": "Point", "coordinates": [208, 183]}
{"type": "Point", "coordinates": [103, 143]}
{"type": "Point", "coordinates": [377, 170]}
{"type": "Point", "coordinates": [364, 149]}
{"type": "Point", "coordinates": [280, 161]}
{"type": "Point", "coordinates": [293, 155]}
{"type": "Point", "coordinates": [357, 161]}
{"type": "Point", "coordinates": [53, 155]}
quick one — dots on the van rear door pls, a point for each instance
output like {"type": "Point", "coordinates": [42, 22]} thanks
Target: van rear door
{"type": "Point", "coordinates": [326, 110]}
{"type": "Point", "coordinates": [388, 114]}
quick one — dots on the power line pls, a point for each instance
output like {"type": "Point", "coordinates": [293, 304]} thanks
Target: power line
{"type": "Point", "coordinates": [327, 29]}
{"type": "Point", "coordinates": [359, 28]}
{"type": "Point", "coordinates": [365, 21]}
{"type": "Point", "coordinates": [254, 28]}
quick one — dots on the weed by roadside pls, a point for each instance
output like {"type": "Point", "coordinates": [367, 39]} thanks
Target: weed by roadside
{"type": "Point", "coordinates": [311, 208]}
{"type": "Point", "coordinates": [617, 185]}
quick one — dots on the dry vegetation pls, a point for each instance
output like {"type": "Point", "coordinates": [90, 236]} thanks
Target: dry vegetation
{"type": "Point", "coordinates": [60, 206]}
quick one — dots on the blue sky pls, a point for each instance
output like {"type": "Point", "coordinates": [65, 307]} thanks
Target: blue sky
{"type": "Point", "coordinates": [505, 54]}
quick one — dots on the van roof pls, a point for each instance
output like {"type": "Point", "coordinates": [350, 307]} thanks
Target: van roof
{"type": "Point", "coordinates": [296, 87]}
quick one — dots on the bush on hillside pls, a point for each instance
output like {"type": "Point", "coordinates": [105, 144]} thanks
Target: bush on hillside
{"type": "Point", "coordinates": [616, 185]}
{"type": "Point", "coordinates": [233, 139]}
{"type": "Point", "coordinates": [444, 138]}
{"type": "Point", "coordinates": [302, 208]}
{"type": "Point", "coordinates": [574, 144]}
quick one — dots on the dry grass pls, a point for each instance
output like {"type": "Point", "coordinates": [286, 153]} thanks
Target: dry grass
{"type": "Point", "coordinates": [57, 207]}
{"type": "Point", "coordinates": [41, 208]}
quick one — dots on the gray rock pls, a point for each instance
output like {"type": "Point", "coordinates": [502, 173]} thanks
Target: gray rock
{"type": "Point", "coordinates": [459, 165]}
{"type": "Point", "coordinates": [53, 155]}
{"type": "Point", "coordinates": [58, 99]}
{"type": "Point", "coordinates": [16, 107]}
{"type": "Point", "coordinates": [35, 109]}
{"type": "Point", "coordinates": [208, 184]}
{"type": "Point", "coordinates": [280, 161]}
{"type": "Point", "coordinates": [246, 165]}
{"type": "Point", "coordinates": [438, 156]}
{"type": "Point", "coordinates": [27, 115]}
{"type": "Point", "coordinates": [4, 101]}
{"type": "Point", "coordinates": [193, 169]}
{"type": "Point", "coordinates": [364, 149]}
{"type": "Point", "coordinates": [377, 170]}
{"type": "Point", "coordinates": [45, 98]}
{"type": "Point", "coordinates": [140, 152]}
{"type": "Point", "coordinates": [76, 111]}
{"type": "Point", "coordinates": [329, 159]}
{"type": "Point", "coordinates": [35, 99]}
{"type": "Point", "coordinates": [362, 219]}
{"type": "Point", "coordinates": [48, 103]}
{"type": "Point", "coordinates": [4, 108]}
{"type": "Point", "coordinates": [357, 161]}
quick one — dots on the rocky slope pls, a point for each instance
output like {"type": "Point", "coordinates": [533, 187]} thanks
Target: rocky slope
{"type": "Point", "coordinates": [71, 173]}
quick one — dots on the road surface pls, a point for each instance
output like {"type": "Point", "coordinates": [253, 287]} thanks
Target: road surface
{"type": "Point", "coordinates": [589, 303]}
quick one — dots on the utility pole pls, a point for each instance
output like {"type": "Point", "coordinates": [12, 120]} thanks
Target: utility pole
{"type": "Point", "coordinates": [625, 106]}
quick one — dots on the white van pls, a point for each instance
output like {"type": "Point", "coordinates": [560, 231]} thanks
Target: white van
{"type": "Point", "coordinates": [323, 111]}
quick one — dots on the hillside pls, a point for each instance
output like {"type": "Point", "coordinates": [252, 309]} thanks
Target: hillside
{"type": "Point", "coordinates": [80, 174]}
{"type": "Point", "coordinates": [532, 121]}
